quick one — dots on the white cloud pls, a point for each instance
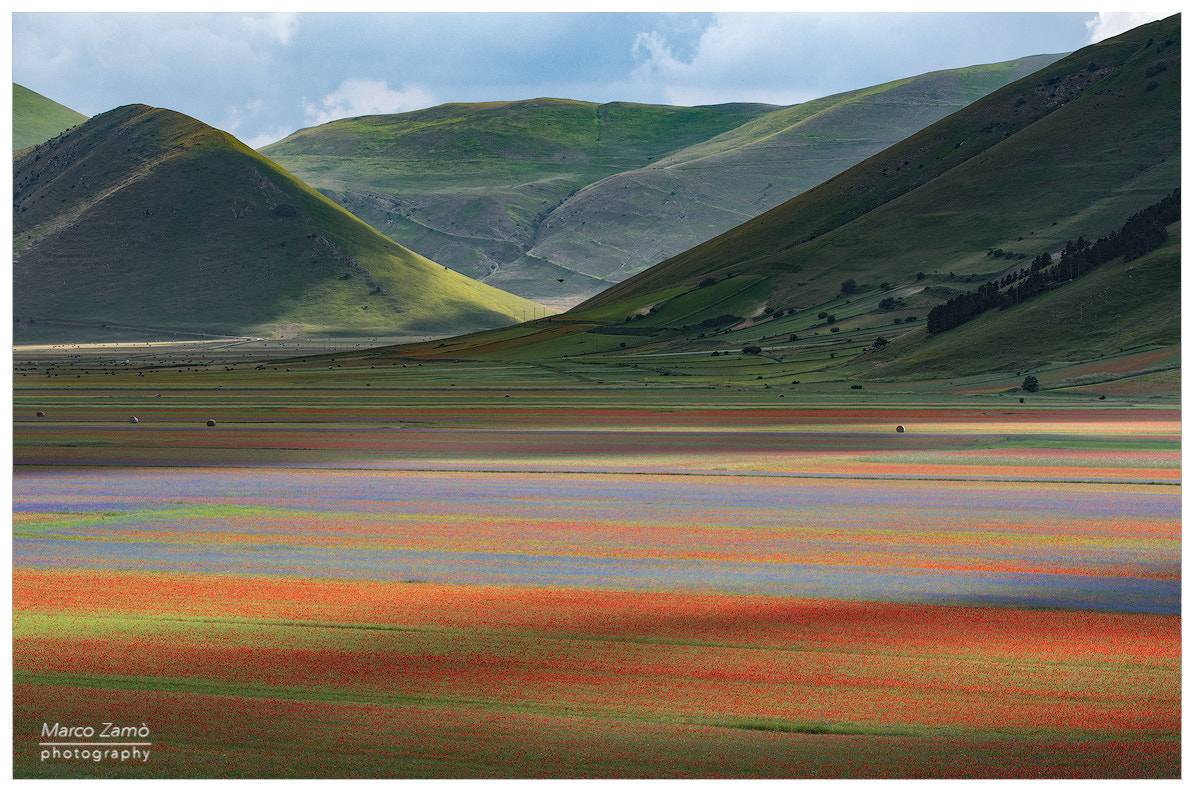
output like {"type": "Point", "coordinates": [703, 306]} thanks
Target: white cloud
{"type": "Point", "coordinates": [654, 55]}
{"type": "Point", "coordinates": [104, 59]}
{"type": "Point", "coordinates": [750, 57]}
{"type": "Point", "coordinates": [237, 114]}
{"type": "Point", "coordinates": [791, 58]}
{"type": "Point", "coordinates": [1112, 23]}
{"type": "Point", "coordinates": [278, 26]}
{"type": "Point", "coordinates": [265, 138]}
{"type": "Point", "coordinates": [367, 97]}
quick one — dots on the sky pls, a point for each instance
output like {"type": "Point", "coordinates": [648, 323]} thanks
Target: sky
{"type": "Point", "coordinates": [262, 76]}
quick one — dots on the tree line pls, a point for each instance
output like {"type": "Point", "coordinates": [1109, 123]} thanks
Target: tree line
{"type": "Point", "coordinates": [1141, 233]}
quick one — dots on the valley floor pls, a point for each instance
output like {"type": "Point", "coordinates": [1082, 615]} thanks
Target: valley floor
{"type": "Point", "coordinates": [411, 577]}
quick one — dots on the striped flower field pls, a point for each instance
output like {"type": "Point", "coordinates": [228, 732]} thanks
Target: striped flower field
{"type": "Point", "coordinates": [445, 592]}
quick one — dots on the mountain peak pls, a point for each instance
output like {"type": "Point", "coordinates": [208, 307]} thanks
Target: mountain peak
{"type": "Point", "coordinates": [147, 217]}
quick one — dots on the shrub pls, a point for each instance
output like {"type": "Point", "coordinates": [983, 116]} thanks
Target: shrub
{"type": "Point", "coordinates": [1031, 384]}
{"type": "Point", "coordinates": [720, 321]}
{"type": "Point", "coordinates": [752, 350]}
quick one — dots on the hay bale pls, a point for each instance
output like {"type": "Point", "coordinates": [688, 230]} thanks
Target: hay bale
{"type": "Point", "coordinates": [900, 429]}
{"type": "Point", "coordinates": [41, 414]}
{"type": "Point", "coordinates": [211, 423]}
{"type": "Point", "coordinates": [133, 419]}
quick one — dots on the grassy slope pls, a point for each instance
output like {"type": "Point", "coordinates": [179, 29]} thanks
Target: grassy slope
{"type": "Point", "coordinates": [147, 217]}
{"type": "Point", "coordinates": [1013, 170]}
{"type": "Point", "coordinates": [469, 185]}
{"type": "Point", "coordinates": [635, 219]}
{"type": "Point", "coordinates": [1019, 175]}
{"type": "Point", "coordinates": [36, 119]}
{"type": "Point", "coordinates": [1023, 176]}
{"type": "Point", "coordinates": [497, 143]}
{"type": "Point", "coordinates": [523, 194]}
{"type": "Point", "coordinates": [1118, 307]}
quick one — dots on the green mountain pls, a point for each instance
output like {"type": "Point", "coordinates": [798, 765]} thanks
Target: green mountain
{"type": "Point", "coordinates": [148, 218]}
{"type": "Point", "coordinates": [36, 119]}
{"type": "Point", "coordinates": [558, 199]}
{"type": "Point", "coordinates": [1071, 151]}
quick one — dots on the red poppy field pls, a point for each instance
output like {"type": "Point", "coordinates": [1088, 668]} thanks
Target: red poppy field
{"type": "Point", "coordinates": [448, 588]}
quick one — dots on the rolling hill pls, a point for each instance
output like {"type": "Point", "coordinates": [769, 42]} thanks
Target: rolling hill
{"type": "Point", "coordinates": [36, 119]}
{"type": "Point", "coordinates": [147, 218]}
{"type": "Point", "coordinates": [1071, 151]}
{"type": "Point", "coordinates": [557, 199]}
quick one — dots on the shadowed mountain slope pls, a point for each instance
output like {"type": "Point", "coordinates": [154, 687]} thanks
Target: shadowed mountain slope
{"type": "Point", "coordinates": [1069, 152]}
{"type": "Point", "coordinates": [148, 218]}
{"type": "Point", "coordinates": [557, 199]}
{"type": "Point", "coordinates": [1072, 149]}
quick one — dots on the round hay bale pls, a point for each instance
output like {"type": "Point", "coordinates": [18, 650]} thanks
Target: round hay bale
{"type": "Point", "coordinates": [211, 423]}
{"type": "Point", "coordinates": [133, 419]}
{"type": "Point", "coordinates": [41, 414]}
{"type": "Point", "coordinates": [900, 429]}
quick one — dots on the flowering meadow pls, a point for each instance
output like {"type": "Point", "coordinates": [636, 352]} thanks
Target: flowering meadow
{"type": "Point", "coordinates": [472, 586]}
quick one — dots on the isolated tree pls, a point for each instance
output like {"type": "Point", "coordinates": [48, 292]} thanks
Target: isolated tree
{"type": "Point", "coordinates": [1031, 384]}
{"type": "Point", "coordinates": [751, 350]}
{"type": "Point", "coordinates": [848, 286]}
